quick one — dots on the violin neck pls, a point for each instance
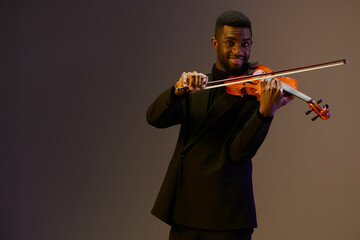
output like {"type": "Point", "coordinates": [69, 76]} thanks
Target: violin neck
{"type": "Point", "coordinates": [296, 93]}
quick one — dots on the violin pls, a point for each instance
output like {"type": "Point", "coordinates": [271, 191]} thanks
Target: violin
{"type": "Point", "coordinates": [289, 85]}
{"type": "Point", "coordinates": [250, 84]}
{"type": "Point", "coordinates": [253, 87]}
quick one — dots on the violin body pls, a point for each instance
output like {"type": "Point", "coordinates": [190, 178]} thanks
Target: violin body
{"type": "Point", "coordinates": [254, 87]}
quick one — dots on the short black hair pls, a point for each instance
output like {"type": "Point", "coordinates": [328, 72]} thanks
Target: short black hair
{"type": "Point", "coordinates": [232, 18]}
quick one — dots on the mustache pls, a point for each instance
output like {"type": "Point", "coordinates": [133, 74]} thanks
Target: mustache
{"type": "Point", "coordinates": [237, 56]}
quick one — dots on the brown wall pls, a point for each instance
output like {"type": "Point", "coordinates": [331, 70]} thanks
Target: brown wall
{"type": "Point", "coordinates": [78, 160]}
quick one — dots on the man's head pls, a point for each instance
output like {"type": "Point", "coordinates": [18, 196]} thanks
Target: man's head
{"type": "Point", "coordinates": [232, 19]}
{"type": "Point", "coordinates": [232, 41]}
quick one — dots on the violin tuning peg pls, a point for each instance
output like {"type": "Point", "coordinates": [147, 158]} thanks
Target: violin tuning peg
{"type": "Point", "coordinates": [309, 111]}
{"type": "Point", "coordinates": [314, 118]}
{"type": "Point", "coordinates": [319, 101]}
{"type": "Point", "coordinates": [326, 106]}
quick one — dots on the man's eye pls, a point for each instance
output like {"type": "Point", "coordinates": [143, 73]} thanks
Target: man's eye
{"type": "Point", "coordinates": [245, 44]}
{"type": "Point", "coordinates": [229, 43]}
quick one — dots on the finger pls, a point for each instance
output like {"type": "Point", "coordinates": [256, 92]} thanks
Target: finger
{"type": "Point", "coordinates": [274, 85]}
{"type": "Point", "coordinates": [196, 80]}
{"type": "Point", "coordinates": [262, 84]}
{"type": "Point", "coordinates": [204, 80]}
{"type": "Point", "coordinates": [181, 85]}
{"type": "Point", "coordinates": [184, 80]}
{"type": "Point", "coordinates": [191, 81]}
{"type": "Point", "coordinates": [290, 97]}
{"type": "Point", "coordinates": [287, 99]}
{"type": "Point", "coordinates": [268, 83]}
{"type": "Point", "coordinates": [279, 86]}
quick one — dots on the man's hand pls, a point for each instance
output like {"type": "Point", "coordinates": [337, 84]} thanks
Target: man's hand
{"type": "Point", "coordinates": [190, 81]}
{"type": "Point", "coordinates": [272, 97]}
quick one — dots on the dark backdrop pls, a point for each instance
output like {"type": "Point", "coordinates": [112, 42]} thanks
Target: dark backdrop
{"type": "Point", "coordinates": [78, 160]}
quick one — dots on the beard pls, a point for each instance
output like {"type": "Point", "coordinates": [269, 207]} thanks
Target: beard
{"type": "Point", "coordinates": [238, 70]}
{"type": "Point", "coordinates": [234, 69]}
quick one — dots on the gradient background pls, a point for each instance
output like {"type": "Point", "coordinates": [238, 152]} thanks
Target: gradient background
{"type": "Point", "coordinates": [78, 160]}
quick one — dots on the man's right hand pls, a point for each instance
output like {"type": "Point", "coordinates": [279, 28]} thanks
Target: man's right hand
{"type": "Point", "coordinates": [190, 81]}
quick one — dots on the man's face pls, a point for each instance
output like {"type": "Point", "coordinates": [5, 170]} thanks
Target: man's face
{"type": "Point", "coordinates": [233, 46]}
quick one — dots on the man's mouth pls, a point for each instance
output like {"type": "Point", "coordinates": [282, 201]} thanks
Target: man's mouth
{"type": "Point", "coordinates": [236, 60]}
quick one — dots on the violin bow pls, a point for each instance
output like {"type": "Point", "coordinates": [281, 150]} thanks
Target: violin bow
{"type": "Point", "coordinates": [243, 79]}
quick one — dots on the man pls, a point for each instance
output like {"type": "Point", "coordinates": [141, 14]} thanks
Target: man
{"type": "Point", "coordinates": [207, 191]}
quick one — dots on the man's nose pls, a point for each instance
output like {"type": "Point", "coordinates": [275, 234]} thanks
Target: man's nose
{"type": "Point", "coordinates": [238, 49]}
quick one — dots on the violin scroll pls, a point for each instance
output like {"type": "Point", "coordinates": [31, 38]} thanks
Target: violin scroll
{"type": "Point", "coordinates": [322, 112]}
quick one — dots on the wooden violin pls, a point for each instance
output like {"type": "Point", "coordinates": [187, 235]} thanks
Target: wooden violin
{"type": "Point", "coordinates": [250, 84]}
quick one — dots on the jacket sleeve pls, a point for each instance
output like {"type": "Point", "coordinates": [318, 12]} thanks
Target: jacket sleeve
{"type": "Point", "coordinates": [247, 141]}
{"type": "Point", "coordinates": [166, 110]}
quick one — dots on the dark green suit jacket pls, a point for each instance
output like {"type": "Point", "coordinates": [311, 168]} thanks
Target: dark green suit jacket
{"type": "Point", "coordinates": [208, 184]}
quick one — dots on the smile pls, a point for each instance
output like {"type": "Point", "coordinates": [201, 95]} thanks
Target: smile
{"type": "Point", "coordinates": [236, 60]}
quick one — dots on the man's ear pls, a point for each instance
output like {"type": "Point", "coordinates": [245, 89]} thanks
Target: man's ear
{"type": "Point", "coordinates": [214, 43]}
